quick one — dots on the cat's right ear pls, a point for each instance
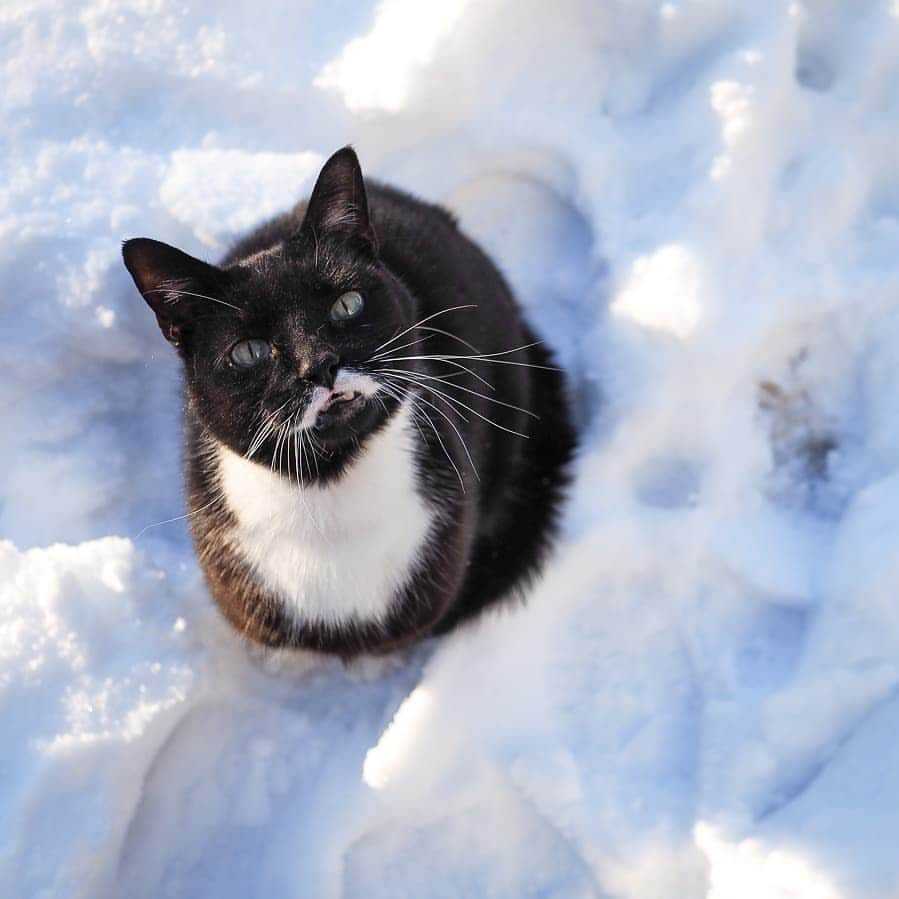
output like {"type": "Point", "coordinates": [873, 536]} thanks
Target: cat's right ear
{"type": "Point", "coordinates": [176, 286]}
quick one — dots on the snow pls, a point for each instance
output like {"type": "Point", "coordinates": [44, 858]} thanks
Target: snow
{"type": "Point", "coordinates": [698, 203]}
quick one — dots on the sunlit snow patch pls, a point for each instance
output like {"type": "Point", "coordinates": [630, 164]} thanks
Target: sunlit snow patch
{"type": "Point", "coordinates": [375, 72]}
{"type": "Point", "coordinates": [219, 193]}
{"type": "Point", "coordinates": [662, 292]}
{"type": "Point", "coordinates": [749, 869]}
{"type": "Point", "coordinates": [392, 750]}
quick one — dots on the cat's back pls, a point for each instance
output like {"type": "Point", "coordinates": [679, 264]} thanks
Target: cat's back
{"type": "Point", "coordinates": [423, 243]}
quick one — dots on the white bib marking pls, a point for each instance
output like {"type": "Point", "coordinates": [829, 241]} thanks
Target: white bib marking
{"type": "Point", "coordinates": [335, 551]}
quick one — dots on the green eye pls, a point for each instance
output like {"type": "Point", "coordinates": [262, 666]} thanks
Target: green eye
{"type": "Point", "coordinates": [248, 353]}
{"type": "Point", "coordinates": [348, 306]}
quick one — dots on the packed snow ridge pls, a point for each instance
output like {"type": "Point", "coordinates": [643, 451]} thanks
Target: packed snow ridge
{"type": "Point", "coordinates": [698, 202]}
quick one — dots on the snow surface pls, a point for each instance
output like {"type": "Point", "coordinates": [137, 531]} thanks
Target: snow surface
{"type": "Point", "coordinates": [699, 204]}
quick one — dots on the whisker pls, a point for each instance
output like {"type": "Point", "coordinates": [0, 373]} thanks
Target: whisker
{"type": "Point", "coordinates": [427, 418]}
{"type": "Point", "coordinates": [413, 409]}
{"type": "Point", "coordinates": [403, 346]}
{"type": "Point", "coordinates": [451, 399]}
{"type": "Point", "coordinates": [314, 450]}
{"type": "Point", "coordinates": [489, 399]}
{"type": "Point", "coordinates": [448, 361]}
{"type": "Point", "coordinates": [300, 437]}
{"type": "Point", "coordinates": [301, 434]}
{"type": "Point", "coordinates": [296, 456]}
{"type": "Point", "coordinates": [292, 444]}
{"type": "Point", "coordinates": [434, 391]}
{"type": "Point", "coordinates": [188, 293]}
{"type": "Point", "coordinates": [449, 421]}
{"type": "Point", "coordinates": [275, 454]}
{"type": "Point", "coordinates": [419, 323]}
{"type": "Point", "coordinates": [517, 349]}
{"type": "Point", "coordinates": [458, 365]}
{"type": "Point", "coordinates": [488, 358]}
{"type": "Point", "coordinates": [285, 444]}
{"type": "Point", "coordinates": [264, 430]}
{"type": "Point", "coordinates": [470, 346]}
{"type": "Point", "coordinates": [418, 340]}
{"type": "Point", "coordinates": [159, 524]}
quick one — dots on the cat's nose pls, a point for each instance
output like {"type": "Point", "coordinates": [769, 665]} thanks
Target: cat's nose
{"type": "Point", "coordinates": [321, 369]}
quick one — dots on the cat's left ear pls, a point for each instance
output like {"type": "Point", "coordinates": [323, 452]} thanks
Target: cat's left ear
{"type": "Point", "coordinates": [338, 206]}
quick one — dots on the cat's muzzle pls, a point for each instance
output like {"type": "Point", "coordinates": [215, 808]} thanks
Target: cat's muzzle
{"type": "Point", "coordinates": [339, 411]}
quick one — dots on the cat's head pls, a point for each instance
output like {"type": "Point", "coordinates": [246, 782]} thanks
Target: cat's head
{"type": "Point", "coordinates": [276, 345]}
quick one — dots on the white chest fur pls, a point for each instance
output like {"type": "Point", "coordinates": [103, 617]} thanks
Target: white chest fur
{"type": "Point", "coordinates": [336, 551]}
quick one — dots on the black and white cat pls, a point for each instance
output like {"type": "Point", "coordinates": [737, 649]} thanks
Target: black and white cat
{"type": "Point", "coordinates": [377, 445]}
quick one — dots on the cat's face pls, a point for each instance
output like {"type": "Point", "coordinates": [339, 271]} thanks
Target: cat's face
{"type": "Point", "coordinates": [275, 347]}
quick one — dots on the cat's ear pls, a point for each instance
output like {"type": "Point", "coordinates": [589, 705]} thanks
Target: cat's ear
{"type": "Point", "coordinates": [177, 287]}
{"type": "Point", "coordinates": [338, 207]}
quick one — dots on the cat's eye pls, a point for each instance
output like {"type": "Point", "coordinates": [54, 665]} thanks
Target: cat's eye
{"type": "Point", "coordinates": [347, 306]}
{"type": "Point", "coordinates": [248, 353]}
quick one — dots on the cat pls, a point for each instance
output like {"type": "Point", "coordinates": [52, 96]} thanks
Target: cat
{"type": "Point", "coordinates": [377, 445]}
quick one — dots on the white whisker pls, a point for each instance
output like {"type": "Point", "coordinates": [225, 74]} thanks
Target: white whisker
{"type": "Point", "coordinates": [159, 524]}
{"type": "Point", "coordinates": [451, 399]}
{"type": "Point", "coordinates": [461, 340]}
{"type": "Point", "coordinates": [489, 399]}
{"type": "Point", "coordinates": [419, 323]}
{"type": "Point", "coordinates": [487, 358]}
{"type": "Point", "coordinates": [187, 293]}
{"type": "Point", "coordinates": [427, 418]}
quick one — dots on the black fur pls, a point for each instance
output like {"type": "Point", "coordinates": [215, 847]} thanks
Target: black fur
{"type": "Point", "coordinates": [410, 261]}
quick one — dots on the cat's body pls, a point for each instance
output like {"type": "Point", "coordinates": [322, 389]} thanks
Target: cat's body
{"type": "Point", "coordinates": [413, 472]}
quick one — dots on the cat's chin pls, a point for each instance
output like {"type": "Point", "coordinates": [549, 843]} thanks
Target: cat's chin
{"type": "Point", "coordinates": [345, 421]}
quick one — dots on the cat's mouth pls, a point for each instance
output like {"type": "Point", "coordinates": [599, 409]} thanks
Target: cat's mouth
{"type": "Point", "coordinates": [341, 411]}
{"type": "Point", "coordinates": [338, 406]}
{"type": "Point", "coordinates": [341, 416]}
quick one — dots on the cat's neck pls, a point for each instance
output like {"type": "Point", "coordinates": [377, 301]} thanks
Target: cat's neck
{"type": "Point", "coordinates": [336, 550]}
